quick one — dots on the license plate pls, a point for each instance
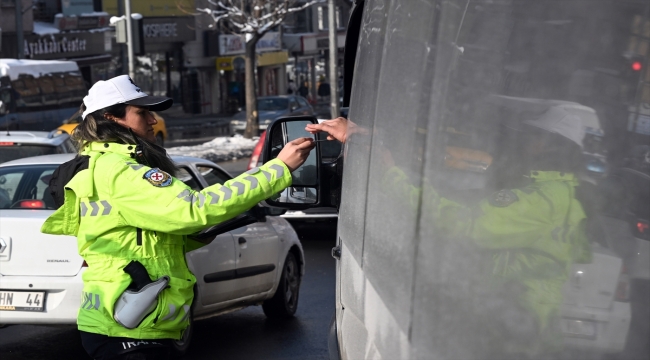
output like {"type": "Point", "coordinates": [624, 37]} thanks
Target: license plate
{"type": "Point", "coordinates": [579, 328]}
{"type": "Point", "coordinates": [22, 300]}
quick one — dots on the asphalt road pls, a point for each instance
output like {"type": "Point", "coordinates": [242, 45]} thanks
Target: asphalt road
{"type": "Point", "coordinates": [245, 334]}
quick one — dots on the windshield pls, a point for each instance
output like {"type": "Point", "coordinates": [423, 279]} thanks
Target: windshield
{"type": "Point", "coordinates": [19, 151]}
{"type": "Point", "coordinates": [272, 104]}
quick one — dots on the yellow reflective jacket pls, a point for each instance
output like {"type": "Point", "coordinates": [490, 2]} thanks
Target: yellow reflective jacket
{"type": "Point", "coordinates": [119, 212]}
{"type": "Point", "coordinates": [534, 234]}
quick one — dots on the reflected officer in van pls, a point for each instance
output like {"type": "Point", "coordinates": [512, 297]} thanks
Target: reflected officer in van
{"type": "Point", "coordinates": [531, 233]}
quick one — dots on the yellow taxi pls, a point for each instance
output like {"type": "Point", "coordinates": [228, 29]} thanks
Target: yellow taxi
{"type": "Point", "coordinates": [160, 130]}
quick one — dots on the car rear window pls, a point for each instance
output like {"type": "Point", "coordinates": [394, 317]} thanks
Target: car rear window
{"type": "Point", "coordinates": [13, 151]}
{"type": "Point", "coordinates": [20, 184]}
{"type": "Point", "coordinates": [273, 104]}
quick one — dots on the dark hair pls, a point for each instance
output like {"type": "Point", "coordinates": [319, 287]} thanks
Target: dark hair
{"type": "Point", "coordinates": [96, 127]}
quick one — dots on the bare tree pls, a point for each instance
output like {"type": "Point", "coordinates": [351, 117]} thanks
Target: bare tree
{"type": "Point", "coordinates": [253, 18]}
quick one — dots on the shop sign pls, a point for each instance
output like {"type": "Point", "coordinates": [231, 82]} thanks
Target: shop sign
{"type": "Point", "coordinates": [55, 46]}
{"type": "Point", "coordinates": [236, 44]}
{"type": "Point", "coordinates": [80, 22]}
{"type": "Point", "coordinates": [153, 8]}
{"type": "Point", "coordinates": [76, 7]}
{"type": "Point", "coordinates": [311, 43]}
{"type": "Point", "coordinates": [229, 63]}
{"type": "Point", "coordinates": [226, 63]}
{"type": "Point", "coordinates": [272, 58]}
{"type": "Point", "coordinates": [169, 29]}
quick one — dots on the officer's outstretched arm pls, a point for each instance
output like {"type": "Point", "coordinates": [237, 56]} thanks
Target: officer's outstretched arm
{"type": "Point", "coordinates": [151, 199]}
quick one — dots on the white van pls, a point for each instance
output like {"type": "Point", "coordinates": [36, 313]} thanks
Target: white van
{"type": "Point", "coordinates": [414, 70]}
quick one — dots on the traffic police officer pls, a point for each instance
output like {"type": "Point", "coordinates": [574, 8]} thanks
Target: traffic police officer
{"type": "Point", "coordinates": [121, 201]}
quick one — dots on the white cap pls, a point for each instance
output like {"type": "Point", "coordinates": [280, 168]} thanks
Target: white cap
{"type": "Point", "coordinates": [121, 90]}
{"type": "Point", "coordinates": [558, 121]}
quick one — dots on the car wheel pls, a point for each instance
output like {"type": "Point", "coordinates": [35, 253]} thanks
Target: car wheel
{"type": "Point", "coordinates": [179, 347]}
{"type": "Point", "coordinates": [160, 140]}
{"type": "Point", "coordinates": [285, 301]}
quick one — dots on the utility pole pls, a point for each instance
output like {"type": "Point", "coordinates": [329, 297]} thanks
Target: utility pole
{"type": "Point", "coordinates": [19, 30]}
{"type": "Point", "coordinates": [334, 91]}
{"type": "Point", "coordinates": [129, 37]}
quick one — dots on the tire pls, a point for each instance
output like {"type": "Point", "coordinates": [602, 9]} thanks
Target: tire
{"type": "Point", "coordinates": [160, 141]}
{"type": "Point", "coordinates": [179, 347]}
{"type": "Point", "coordinates": [284, 303]}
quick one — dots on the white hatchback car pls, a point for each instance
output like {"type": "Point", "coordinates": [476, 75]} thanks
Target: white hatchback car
{"type": "Point", "coordinates": [254, 259]}
{"type": "Point", "coordinates": [20, 144]}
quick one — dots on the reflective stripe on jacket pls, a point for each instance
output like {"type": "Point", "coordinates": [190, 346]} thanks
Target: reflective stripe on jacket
{"type": "Point", "coordinates": [119, 215]}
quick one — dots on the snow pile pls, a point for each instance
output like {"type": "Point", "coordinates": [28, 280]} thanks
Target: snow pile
{"type": "Point", "coordinates": [219, 149]}
{"type": "Point", "coordinates": [43, 28]}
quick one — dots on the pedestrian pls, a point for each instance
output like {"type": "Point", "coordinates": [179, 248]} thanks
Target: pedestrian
{"type": "Point", "coordinates": [303, 90]}
{"type": "Point", "coordinates": [133, 220]}
{"type": "Point", "coordinates": [291, 88]}
{"type": "Point", "coordinates": [528, 234]}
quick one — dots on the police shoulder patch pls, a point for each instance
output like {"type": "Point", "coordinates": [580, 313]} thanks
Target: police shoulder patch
{"type": "Point", "coordinates": [158, 178]}
{"type": "Point", "coordinates": [503, 198]}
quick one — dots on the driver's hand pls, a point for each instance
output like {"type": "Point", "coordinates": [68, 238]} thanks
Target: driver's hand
{"type": "Point", "coordinates": [296, 152]}
{"type": "Point", "coordinates": [335, 128]}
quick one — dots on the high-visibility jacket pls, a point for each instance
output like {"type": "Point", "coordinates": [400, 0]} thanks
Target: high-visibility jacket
{"type": "Point", "coordinates": [532, 234]}
{"type": "Point", "coordinates": [121, 210]}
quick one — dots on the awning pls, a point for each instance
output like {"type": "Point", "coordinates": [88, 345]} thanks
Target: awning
{"type": "Point", "coordinates": [91, 60]}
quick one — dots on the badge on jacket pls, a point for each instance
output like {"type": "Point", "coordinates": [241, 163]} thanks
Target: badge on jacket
{"type": "Point", "coordinates": [158, 178]}
{"type": "Point", "coordinates": [503, 198]}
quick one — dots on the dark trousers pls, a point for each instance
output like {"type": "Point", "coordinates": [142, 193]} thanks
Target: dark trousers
{"type": "Point", "coordinates": [102, 347]}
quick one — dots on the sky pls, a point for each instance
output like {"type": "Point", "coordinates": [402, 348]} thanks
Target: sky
{"type": "Point", "coordinates": [219, 149]}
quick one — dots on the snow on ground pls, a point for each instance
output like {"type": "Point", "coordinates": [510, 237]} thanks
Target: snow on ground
{"type": "Point", "coordinates": [219, 149]}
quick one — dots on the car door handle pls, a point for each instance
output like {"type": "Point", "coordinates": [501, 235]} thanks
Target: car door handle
{"type": "Point", "coordinates": [336, 252]}
{"type": "Point", "coordinates": [241, 240]}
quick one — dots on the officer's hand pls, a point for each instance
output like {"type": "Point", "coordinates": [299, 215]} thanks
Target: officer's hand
{"type": "Point", "coordinates": [295, 152]}
{"type": "Point", "coordinates": [335, 128]}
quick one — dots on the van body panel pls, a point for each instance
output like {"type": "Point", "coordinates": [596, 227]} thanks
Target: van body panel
{"type": "Point", "coordinates": [438, 75]}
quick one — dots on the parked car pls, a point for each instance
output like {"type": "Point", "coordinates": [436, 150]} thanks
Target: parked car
{"type": "Point", "coordinates": [20, 144]}
{"type": "Point", "coordinates": [330, 150]}
{"type": "Point", "coordinates": [40, 275]}
{"type": "Point", "coordinates": [627, 191]}
{"type": "Point", "coordinates": [159, 129]}
{"type": "Point", "coordinates": [270, 108]}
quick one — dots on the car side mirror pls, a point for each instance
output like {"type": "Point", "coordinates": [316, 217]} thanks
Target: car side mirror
{"type": "Point", "coordinates": [305, 190]}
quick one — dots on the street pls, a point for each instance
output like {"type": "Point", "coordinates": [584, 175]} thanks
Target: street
{"type": "Point", "coordinates": [245, 334]}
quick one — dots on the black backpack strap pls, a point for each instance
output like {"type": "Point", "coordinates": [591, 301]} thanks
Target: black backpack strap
{"type": "Point", "coordinates": [63, 174]}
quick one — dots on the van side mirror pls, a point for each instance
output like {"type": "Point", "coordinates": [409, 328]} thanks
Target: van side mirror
{"type": "Point", "coordinates": [305, 190]}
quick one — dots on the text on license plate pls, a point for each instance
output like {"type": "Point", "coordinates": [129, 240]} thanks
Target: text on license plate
{"type": "Point", "coordinates": [579, 328]}
{"type": "Point", "coordinates": [22, 300]}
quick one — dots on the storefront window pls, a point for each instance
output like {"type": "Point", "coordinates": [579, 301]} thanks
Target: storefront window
{"type": "Point", "coordinates": [151, 75]}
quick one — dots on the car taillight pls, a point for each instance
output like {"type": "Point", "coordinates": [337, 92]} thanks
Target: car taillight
{"type": "Point", "coordinates": [623, 287]}
{"type": "Point", "coordinates": [257, 151]}
{"type": "Point", "coordinates": [31, 204]}
{"type": "Point", "coordinates": [6, 143]}
{"type": "Point", "coordinates": [642, 229]}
